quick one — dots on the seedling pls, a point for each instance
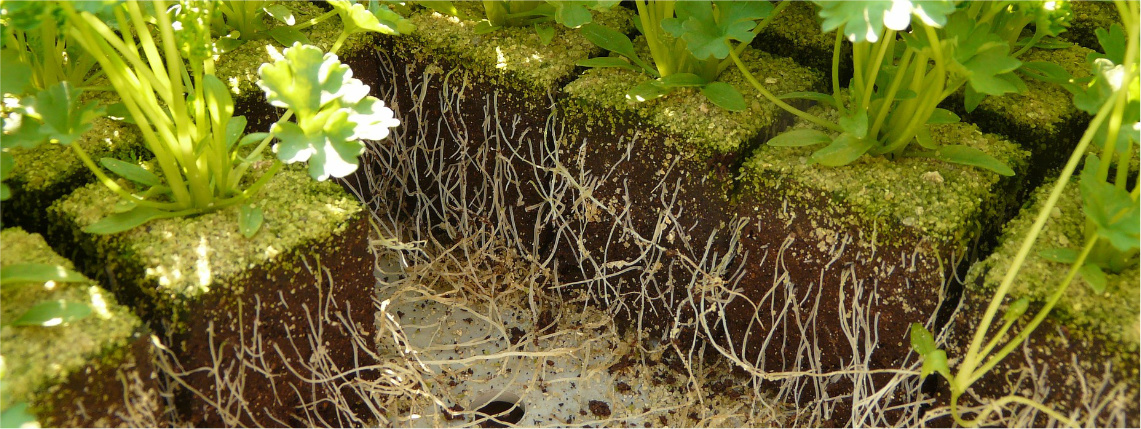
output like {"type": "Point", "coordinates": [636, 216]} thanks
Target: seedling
{"type": "Point", "coordinates": [689, 43]}
{"type": "Point", "coordinates": [1112, 217]}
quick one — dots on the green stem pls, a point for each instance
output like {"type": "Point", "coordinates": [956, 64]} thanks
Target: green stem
{"type": "Point", "coordinates": [889, 98]}
{"type": "Point", "coordinates": [836, 72]}
{"type": "Point", "coordinates": [996, 405]}
{"type": "Point", "coordinates": [972, 358]}
{"type": "Point", "coordinates": [764, 92]}
{"type": "Point", "coordinates": [885, 44]}
{"type": "Point", "coordinates": [1039, 317]}
{"type": "Point", "coordinates": [113, 186]}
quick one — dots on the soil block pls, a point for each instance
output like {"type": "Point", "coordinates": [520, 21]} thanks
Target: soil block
{"type": "Point", "coordinates": [1088, 17]}
{"type": "Point", "coordinates": [49, 171]}
{"type": "Point", "coordinates": [220, 298]}
{"type": "Point", "coordinates": [76, 373]}
{"type": "Point", "coordinates": [1083, 359]}
{"type": "Point", "coordinates": [1043, 120]}
{"type": "Point", "coordinates": [795, 33]}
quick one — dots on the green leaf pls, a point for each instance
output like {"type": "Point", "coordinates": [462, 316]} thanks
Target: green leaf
{"type": "Point", "coordinates": [1065, 256]}
{"type": "Point", "coordinates": [444, 7]}
{"type": "Point", "coordinates": [252, 138]}
{"type": "Point", "coordinates": [921, 339]}
{"type": "Point", "coordinates": [725, 96]}
{"type": "Point", "coordinates": [304, 80]}
{"type": "Point", "coordinates": [355, 18]}
{"type": "Point", "coordinates": [842, 151]}
{"type": "Point", "coordinates": [120, 222]}
{"type": "Point", "coordinates": [923, 137]}
{"type": "Point", "coordinates": [856, 125]}
{"type": "Point", "coordinates": [5, 192]}
{"type": "Point", "coordinates": [825, 99]}
{"type": "Point", "coordinates": [249, 220]}
{"type": "Point", "coordinates": [1113, 42]}
{"type": "Point", "coordinates": [706, 33]}
{"type": "Point", "coordinates": [572, 14]}
{"type": "Point", "coordinates": [53, 313]}
{"type": "Point", "coordinates": [608, 62]}
{"type": "Point", "coordinates": [943, 116]}
{"type": "Point", "coordinates": [800, 137]}
{"type": "Point", "coordinates": [864, 21]}
{"type": "Point", "coordinates": [935, 362]}
{"type": "Point", "coordinates": [1094, 276]}
{"type": "Point", "coordinates": [1016, 309]}
{"type": "Point", "coordinates": [17, 415]}
{"type": "Point", "coordinates": [484, 27]}
{"type": "Point", "coordinates": [646, 91]}
{"type": "Point", "coordinates": [613, 41]}
{"type": "Point", "coordinates": [1116, 215]}
{"type": "Point", "coordinates": [966, 155]}
{"type": "Point", "coordinates": [129, 171]}
{"type": "Point", "coordinates": [63, 118]}
{"type": "Point", "coordinates": [985, 68]}
{"type": "Point", "coordinates": [282, 14]}
{"type": "Point", "coordinates": [546, 33]}
{"type": "Point", "coordinates": [234, 129]}
{"type": "Point", "coordinates": [287, 36]}
{"type": "Point", "coordinates": [16, 75]}
{"type": "Point", "coordinates": [39, 273]}
{"type": "Point", "coordinates": [1046, 72]}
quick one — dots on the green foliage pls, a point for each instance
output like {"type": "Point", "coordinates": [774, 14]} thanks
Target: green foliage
{"type": "Point", "coordinates": [17, 416]}
{"type": "Point", "coordinates": [689, 44]}
{"type": "Point", "coordinates": [907, 58]}
{"type": "Point", "coordinates": [47, 313]}
{"type": "Point", "coordinates": [333, 111]}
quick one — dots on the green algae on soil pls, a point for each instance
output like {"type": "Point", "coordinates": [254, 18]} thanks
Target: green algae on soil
{"type": "Point", "coordinates": [35, 357]}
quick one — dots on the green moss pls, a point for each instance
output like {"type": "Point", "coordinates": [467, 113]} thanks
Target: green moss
{"type": "Point", "coordinates": [940, 200]}
{"type": "Point", "coordinates": [1111, 315]}
{"type": "Point", "coordinates": [702, 126]}
{"type": "Point", "coordinates": [187, 257]}
{"type": "Point", "coordinates": [512, 52]}
{"type": "Point", "coordinates": [35, 357]}
{"type": "Point", "coordinates": [239, 67]}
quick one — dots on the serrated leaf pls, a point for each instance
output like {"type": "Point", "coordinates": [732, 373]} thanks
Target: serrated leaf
{"type": "Point", "coordinates": [865, 20]}
{"type": "Point", "coordinates": [287, 36]}
{"type": "Point", "coordinates": [129, 171]}
{"type": "Point", "coordinates": [1116, 215]}
{"type": "Point", "coordinates": [985, 68]}
{"type": "Point", "coordinates": [800, 137]}
{"type": "Point", "coordinates": [1065, 256]}
{"type": "Point", "coordinates": [249, 220]}
{"type": "Point", "coordinates": [355, 18]}
{"type": "Point", "coordinates": [602, 62]}
{"type": "Point", "coordinates": [943, 116]}
{"type": "Point", "coordinates": [38, 273]}
{"type": "Point", "coordinates": [842, 151]}
{"type": "Point", "coordinates": [305, 80]}
{"type": "Point", "coordinates": [120, 222]}
{"type": "Point", "coordinates": [725, 96]}
{"type": "Point", "coordinates": [572, 14]}
{"type": "Point", "coordinates": [856, 125]}
{"type": "Point", "coordinates": [1113, 42]}
{"type": "Point", "coordinates": [546, 33]}
{"type": "Point", "coordinates": [818, 97]}
{"type": "Point", "coordinates": [1094, 276]}
{"type": "Point", "coordinates": [53, 313]}
{"type": "Point", "coordinates": [707, 34]}
{"type": "Point", "coordinates": [966, 155]}
{"type": "Point", "coordinates": [64, 119]}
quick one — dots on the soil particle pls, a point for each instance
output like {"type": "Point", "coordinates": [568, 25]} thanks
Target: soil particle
{"type": "Point", "coordinates": [516, 335]}
{"type": "Point", "coordinates": [621, 365]}
{"type": "Point", "coordinates": [623, 387]}
{"type": "Point", "coordinates": [599, 408]}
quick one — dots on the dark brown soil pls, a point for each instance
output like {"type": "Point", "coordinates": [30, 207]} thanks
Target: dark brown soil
{"type": "Point", "coordinates": [1062, 368]}
{"type": "Point", "coordinates": [122, 390]}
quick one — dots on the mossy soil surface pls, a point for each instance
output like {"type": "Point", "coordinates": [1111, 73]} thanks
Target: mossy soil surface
{"type": "Point", "coordinates": [212, 292]}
